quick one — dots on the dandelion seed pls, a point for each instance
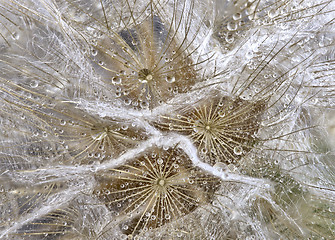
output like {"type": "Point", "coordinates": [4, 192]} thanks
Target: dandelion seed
{"type": "Point", "coordinates": [82, 136]}
{"type": "Point", "coordinates": [222, 128]}
{"type": "Point", "coordinates": [145, 58]}
{"type": "Point", "coordinates": [156, 193]}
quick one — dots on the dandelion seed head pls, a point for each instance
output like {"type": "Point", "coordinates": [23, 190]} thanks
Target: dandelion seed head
{"type": "Point", "coordinates": [163, 191]}
{"type": "Point", "coordinates": [166, 119]}
{"type": "Point", "coordinates": [221, 128]}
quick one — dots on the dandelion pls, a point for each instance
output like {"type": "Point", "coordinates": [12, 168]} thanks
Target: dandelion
{"type": "Point", "coordinates": [166, 119]}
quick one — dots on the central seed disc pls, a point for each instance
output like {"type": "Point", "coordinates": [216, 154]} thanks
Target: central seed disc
{"type": "Point", "coordinates": [161, 182]}
{"type": "Point", "coordinates": [145, 75]}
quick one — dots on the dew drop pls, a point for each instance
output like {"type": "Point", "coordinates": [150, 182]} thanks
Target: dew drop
{"type": "Point", "coordinates": [144, 104]}
{"type": "Point", "coordinates": [170, 79]}
{"type": "Point", "coordinates": [34, 84]}
{"type": "Point", "coordinates": [238, 150]}
{"type": "Point", "coordinates": [127, 101]}
{"type": "Point", "coordinates": [15, 36]}
{"type": "Point", "coordinates": [231, 26]}
{"type": "Point", "coordinates": [160, 161]}
{"type": "Point", "coordinates": [124, 127]}
{"type": "Point", "coordinates": [249, 55]}
{"type": "Point", "coordinates": [116, 80]}
{"type": "Point", "coordinates": [94, 52]}
{"type": "Point", "coordinates": [237, 16]}
{"type": "Point", "coordinates": [222, 114]}
{"type": "Point", "coordinates": [272, 13]}
{"type": "Point", "coordinates": [229, 39]}
{"type": "Point", "coordinates": [221, 166]}
{"type": "Point", "coordinates": [321, 43]}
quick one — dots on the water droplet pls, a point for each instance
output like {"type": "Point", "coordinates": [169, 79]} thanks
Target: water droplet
{"type": "Point", "coordinates": [116, 80]}
{"type": "Point", "coordinates": [222, 113]}
{"type": "Point", "coordinates": [203, 150]}
{"type": "Point", "coordinates": [94, 52]}
{"type": "Point", "coordinates": [170, 79]}
{"type": "Point", "coordinates": [34, 84]}
{"type": "Point", "coordinates": [237, 16]}
{"type": "Point", "coordinates": [231, 26]}
{"type": "Point", "coordinates": [221, 166]}
{"type": "Point", "coordinates": [15, 36]}
{"type": "Point", "coordinates": [238, 150]}
{"type": "Point", "coordinates": [272, 13]}
{"type": "Point", "coordinates": [229, 39]}
{"type": "Point", "coordinates": [144, 104]}
{"type": "Point", "coordinates": [124, 127]}
{"type": "Point", "coordinates": [160, 161]}
{"type": "Point", "coordinates": [321, 43]}
{"type": "Point", "coordinates": [127, 101]}
{"type": "Point", "coordinates": [249, 55]}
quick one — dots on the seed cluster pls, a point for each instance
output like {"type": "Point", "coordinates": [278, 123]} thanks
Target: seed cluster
{"type": "Point", "coordinates": [154, 189]}
{"type": "Point", "coordinates": [146, 65]}
{"type": "Point", "coordinates": [223, 129]}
